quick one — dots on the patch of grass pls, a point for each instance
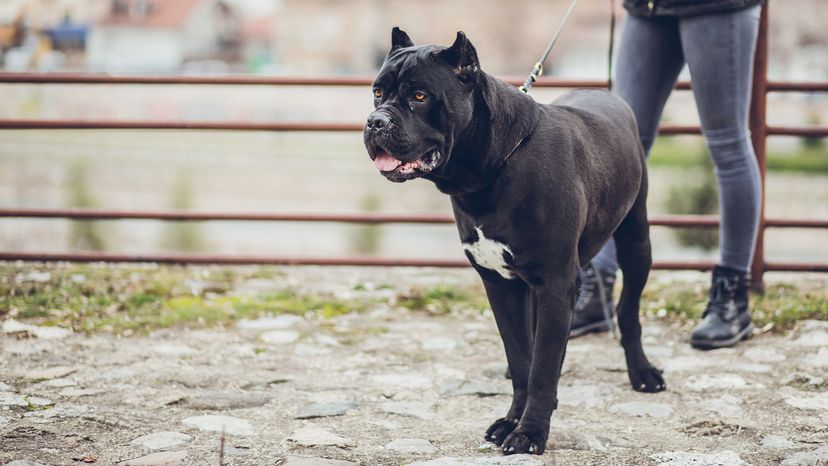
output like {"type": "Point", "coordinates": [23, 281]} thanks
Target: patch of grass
{"type": "Point", "coordinates": [443, 299]}
{"type": "Point", "coordinates": [134, 299]}
{"type": "Point", "coordinates": [780, 307]}
{"type": "Point", "coordinates": [673, 152]}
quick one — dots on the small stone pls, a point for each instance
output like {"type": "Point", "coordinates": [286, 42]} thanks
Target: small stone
{"type": "Point", "coordinates": [72, 392]}
{"type": "Point", "coordinates": [42, 332]}
{"type": "Point", "coordinates": [439, 344]}
{"type": "Point", "coordinates": [683, 458]}
{"type": "Point", "coordinates": [819, 360]}
{"type": "Point", "coordinates": [279, 337]}
{"type": "Point", "coordinates": [726, 405]}
{"type": "Point", "coordinates": [218, 401]}
{"type": "Point", "coordinates": [777, 442]}
{"type": "Point", "coordinates": [161, 440]}
{"type": "Point", "coordinates": [465, 388]}
{"type": "Point", "coordinates": [761, 354]}
{"type": "Point", "coordinates": [220, 423]}
{"type": "Point", "coordinates": [411, 446]}
{"type": "Point", "coordinates": [511, 460]}
{"type": "Point", "coordinates": [60, 412]}
{"type": "Point", "coordinates": [685, 364]}
{"type": "Point", "coordinates": [804, 400]}
{"type": "Point", "coordinates": [3, 421]}
{"type": "Point", "coordinates": [49, 373]}
{"type": "Point", "coordinates": [257, 286]}
{"type": "Point", "coordinates": [414, 409]}
{"type": "Point", "coordinates": [816, 457]}
{"type": "Point", "coordinates": [309, 351]}
{"type": "Point", "coordinates": [642, 408]}
{"type": "Point", "coordinates": [281, 321]}
{"type": "Point", "coordinates": [4, 387]}
{"type": "Point", "coordinates": [39, 402]}
{"type": "Point", "coordinates": [814, 338]}
{"type": "Point", "coordinates": [163, 458]}
{"type": "Point", "coordinates": [314, 410]}
{"type": "Point", "coordinates": [314, 436]}
{"type": "Point", "coordinates": [60, 383]}
{"type": "Point", "coordinates": [753, 368]}
{"type": "Point", "coordinates": [301, 461]}
{"type": "Point", "coordinates": [8, 399]}
{"type": "Point", "coordinates": [704, 382]}
{"type": "Point", "coordinates": [37, 277]}
{"type": "Point", "coordinates": [588, 396]}
{"type": "Point", "coordinates": [172, 349]}
{"type": "Point", "coordinates": [402, 380]}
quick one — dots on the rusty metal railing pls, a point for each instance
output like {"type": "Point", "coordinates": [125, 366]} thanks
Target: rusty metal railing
{"type": "Point", "coordinates": [759, 128]}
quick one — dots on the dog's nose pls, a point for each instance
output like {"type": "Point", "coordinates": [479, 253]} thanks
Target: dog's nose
{"type": "Point", "coordinates": [378, 120]}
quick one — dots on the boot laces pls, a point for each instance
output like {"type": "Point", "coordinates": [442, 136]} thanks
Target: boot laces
{"type": "Point", "coordinates": [588, 285]}
{"type": "Point", "coordinates": [722, 298]}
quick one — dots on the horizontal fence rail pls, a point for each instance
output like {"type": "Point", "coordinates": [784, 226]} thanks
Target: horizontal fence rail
{"type": "Point", "coordinates": [759, 127]}
{"type": "Point", "coordinates": [344, 81]}
{"type": "Point", "coordinates": [202, 259]}
{"type": "Point", "coordinates": [686, 221]}
{"type": "Point", "coordinates": [306, 126]}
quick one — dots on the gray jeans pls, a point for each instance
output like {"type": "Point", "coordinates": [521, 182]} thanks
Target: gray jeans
{"type": "Point", "coordinates": [718, 49]}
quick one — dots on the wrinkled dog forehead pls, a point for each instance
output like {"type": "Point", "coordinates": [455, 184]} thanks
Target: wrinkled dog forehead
{"type": "Point", "coordinates": [428, 63]}
{"type": "Point", "coordinates": [414, 64]}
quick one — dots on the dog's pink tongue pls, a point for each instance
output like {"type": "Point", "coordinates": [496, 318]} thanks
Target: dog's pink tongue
{"type": "Point", "coordinates": [386, 162]}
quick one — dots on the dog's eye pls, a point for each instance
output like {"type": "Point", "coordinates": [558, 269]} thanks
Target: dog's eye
{"type": "Point", "coordinates": [378, 93]}
{"type": "Point", "coordinates": [420, 97]}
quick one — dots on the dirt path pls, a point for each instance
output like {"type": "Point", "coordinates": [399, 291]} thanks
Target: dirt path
{"type": "Point", "coordinates": [390, 386]}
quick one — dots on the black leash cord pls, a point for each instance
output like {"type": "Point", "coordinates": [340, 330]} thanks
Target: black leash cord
{"type": "Point", "coordinates": [538, 68]}
{"type": "Point", "coordinates": [611, 44]}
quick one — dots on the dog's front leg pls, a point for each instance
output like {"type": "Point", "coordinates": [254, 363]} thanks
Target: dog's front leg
{"type": "Point", "coordinates": [554, 302]}
{"type": "Point", "coordinates": [511, 307]}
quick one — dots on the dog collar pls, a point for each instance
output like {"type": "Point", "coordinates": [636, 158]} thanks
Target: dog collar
{"type": "Point", "coordinates": [515, 148]}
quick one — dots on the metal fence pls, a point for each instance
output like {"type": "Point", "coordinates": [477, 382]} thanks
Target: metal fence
{"type": "Point", "coordinates": [758, 124]}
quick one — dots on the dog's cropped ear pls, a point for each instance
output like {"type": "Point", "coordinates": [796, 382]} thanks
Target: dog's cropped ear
{"type": "Point", "coordinates": [399, 39]}
{"type": "Point", "coordinates": [462, 56]}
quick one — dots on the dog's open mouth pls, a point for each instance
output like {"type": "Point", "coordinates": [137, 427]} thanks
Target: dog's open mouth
{"type": "Point", "coordinates": [392, 167]}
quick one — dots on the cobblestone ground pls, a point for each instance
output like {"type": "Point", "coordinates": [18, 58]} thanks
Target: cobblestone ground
{"type": "Point", "coordinates": [389, 387]}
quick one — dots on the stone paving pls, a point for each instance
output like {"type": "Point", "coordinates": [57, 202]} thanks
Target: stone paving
{"type": "Point", "coordinates": [391, 386]}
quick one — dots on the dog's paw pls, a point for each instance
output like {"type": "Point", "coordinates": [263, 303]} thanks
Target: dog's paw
{"type": "Point", "coordinates": [647, 379]}
{"type": "Point", "coordinates": [524, 441]}
{"type": "Point", "coordinates": [500, 429]}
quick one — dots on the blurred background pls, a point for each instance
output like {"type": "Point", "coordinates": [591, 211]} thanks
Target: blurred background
{"type": "Point", "coordinates": [329, 172]}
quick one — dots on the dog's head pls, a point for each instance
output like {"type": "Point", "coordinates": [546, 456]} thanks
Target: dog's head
{"type": "Point", "coordinates": [423, 100]}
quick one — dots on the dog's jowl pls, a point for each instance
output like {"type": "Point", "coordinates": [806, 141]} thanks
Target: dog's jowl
{"type": "Point", "coordinates": [536, 191]}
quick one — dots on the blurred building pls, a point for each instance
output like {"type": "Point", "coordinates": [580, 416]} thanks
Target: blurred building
{"type": "Point", "coordinates": [166, 36]}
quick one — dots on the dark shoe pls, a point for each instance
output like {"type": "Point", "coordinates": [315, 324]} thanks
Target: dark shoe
{"type": "Point", "coordinates": [726, 321]}
{"type": "Point", "coordinates": [594, 306]}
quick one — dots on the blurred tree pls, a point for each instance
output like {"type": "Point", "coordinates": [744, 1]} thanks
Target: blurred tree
{"type": "Point", "coordinates": [183, 236]}
{"type": "Point", "coordinates": [83, 234]}
{"type": "Point", "coordinates": [698, 196]}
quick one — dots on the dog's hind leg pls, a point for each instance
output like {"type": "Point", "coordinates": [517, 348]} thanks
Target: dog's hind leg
{"type": "Point", "coordinates": [512, 310]}
{"type": "Point", "coordinates": [632, 239]}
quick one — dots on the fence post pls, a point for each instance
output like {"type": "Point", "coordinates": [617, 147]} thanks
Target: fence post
{"type": "Point", "coordinates": [758, 131]}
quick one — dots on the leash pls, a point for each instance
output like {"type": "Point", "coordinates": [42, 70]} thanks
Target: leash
{"type": "Point", "coordinates": [537, 70]}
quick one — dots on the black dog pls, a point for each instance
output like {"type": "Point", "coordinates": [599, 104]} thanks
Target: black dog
{"type": "Point", "coordinates": [536, 191]}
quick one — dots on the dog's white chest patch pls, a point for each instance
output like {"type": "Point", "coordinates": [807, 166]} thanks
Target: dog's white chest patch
{"type": "Point", "coordinates": [490, 254]}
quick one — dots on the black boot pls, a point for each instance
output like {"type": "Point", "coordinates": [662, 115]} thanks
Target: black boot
{"type": "Point", "coordinates": [726, 321]}
{"type": "Point", "coordinates": [594, 307]}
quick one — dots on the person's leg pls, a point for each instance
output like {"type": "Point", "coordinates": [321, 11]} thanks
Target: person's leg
{"type": "Point", "coordinates": [650, 58]}
{"type": "Point", "coordinates": [719, 49]}
{"type": "Point", "coordinates": [649, 61]}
